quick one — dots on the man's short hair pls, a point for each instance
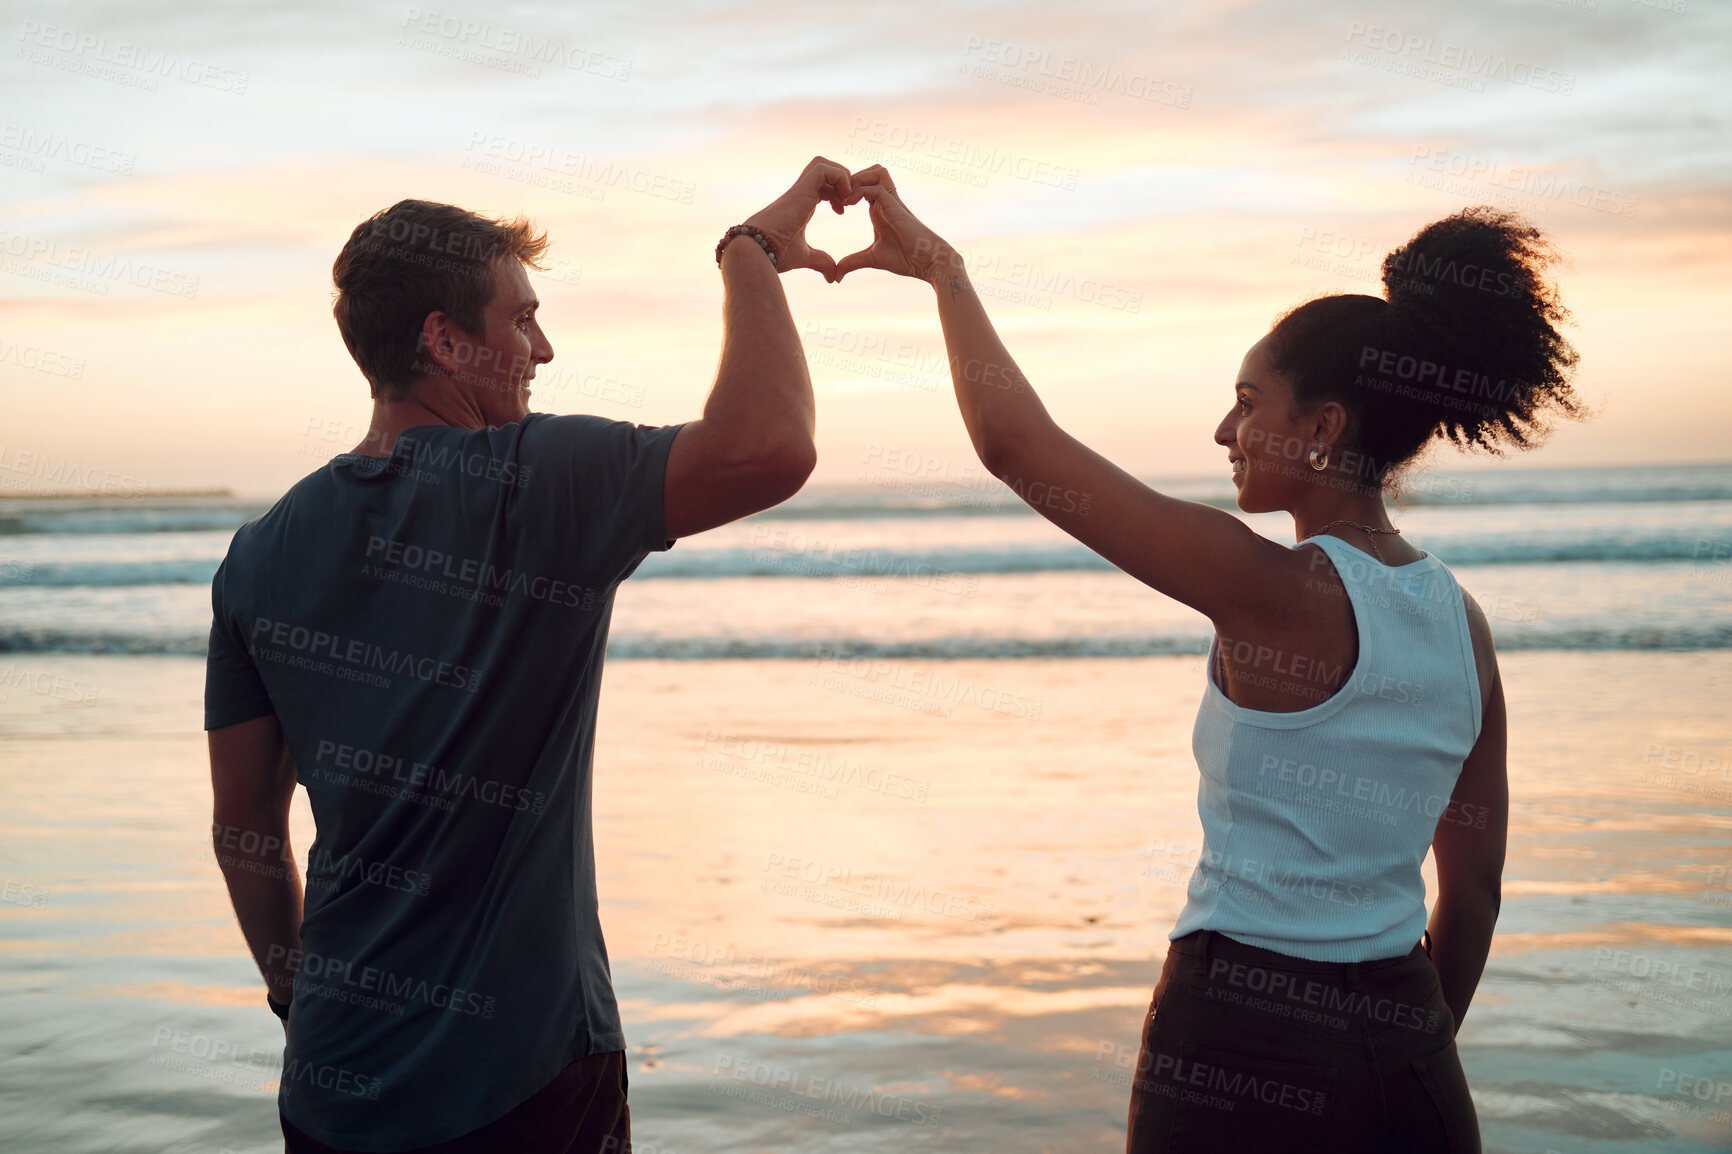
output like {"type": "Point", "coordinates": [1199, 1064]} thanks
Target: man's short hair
{"type": "Point", "coordinates": [414, 258]}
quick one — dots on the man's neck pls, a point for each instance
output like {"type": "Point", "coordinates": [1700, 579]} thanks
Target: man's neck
{"type": "Point", "coordinates": [434, 402]}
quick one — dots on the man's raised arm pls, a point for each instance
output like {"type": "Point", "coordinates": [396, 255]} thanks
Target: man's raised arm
{"type": "Point", "coordinates": [753, 448]}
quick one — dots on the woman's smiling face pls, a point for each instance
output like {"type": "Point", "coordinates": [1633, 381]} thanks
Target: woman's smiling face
{"type": "Point", "coordinates": [1266, 438]}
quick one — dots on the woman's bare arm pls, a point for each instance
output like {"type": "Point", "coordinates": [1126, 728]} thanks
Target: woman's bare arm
{"type": "Point", "coordinates": [1194, 553]}
{"type": "Point", "coordinates": [1470, 841]}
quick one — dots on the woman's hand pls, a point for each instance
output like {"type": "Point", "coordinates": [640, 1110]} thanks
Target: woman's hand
{"type": "Point", "coordinates": [900, 243]}
{"type": "Point", "coordinates": [785, 220]}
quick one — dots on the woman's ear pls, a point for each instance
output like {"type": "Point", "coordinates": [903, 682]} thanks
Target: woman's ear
{"type": "Point", "coordinates": [1331, 422]}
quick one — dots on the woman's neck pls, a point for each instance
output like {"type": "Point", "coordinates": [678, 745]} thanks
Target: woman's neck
{"type": "Point", "coordinates": [1355, 520]}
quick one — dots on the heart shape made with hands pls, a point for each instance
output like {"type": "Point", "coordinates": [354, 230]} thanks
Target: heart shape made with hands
{"type": "Point", "coordinates": [840, 234]}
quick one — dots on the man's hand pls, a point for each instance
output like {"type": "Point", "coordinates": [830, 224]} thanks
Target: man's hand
{"type": "Point", "coordinates": [900, 243]}
{"type": "Point", "coordinates": [784, 221]}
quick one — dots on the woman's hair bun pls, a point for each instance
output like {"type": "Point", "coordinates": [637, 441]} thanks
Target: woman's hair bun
{"type": "Point", "coordinates": [1464, 347]}
{"type": "Point", "coordinates": [1472, 288]}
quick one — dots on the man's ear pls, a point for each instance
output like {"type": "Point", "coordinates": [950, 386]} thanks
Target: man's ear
{"type": "Point", "coordinates": [436, 344]}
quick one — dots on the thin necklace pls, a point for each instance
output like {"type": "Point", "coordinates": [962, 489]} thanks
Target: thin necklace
{"type": "Point", "coordinates": [1357, 525]}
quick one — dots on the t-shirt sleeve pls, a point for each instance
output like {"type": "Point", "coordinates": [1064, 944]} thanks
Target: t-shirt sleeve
{"type": "Point", "coordinates": [233, 690]}
{"type": "Point", "coordinates": [598, 490]}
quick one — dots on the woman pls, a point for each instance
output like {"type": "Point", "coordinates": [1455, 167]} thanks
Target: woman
{"type": "Point", "coordinates": [1352, 713]}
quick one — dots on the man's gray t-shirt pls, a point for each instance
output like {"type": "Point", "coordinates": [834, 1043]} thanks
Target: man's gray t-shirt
{"type": "Point", "coordinates": [429, 629]}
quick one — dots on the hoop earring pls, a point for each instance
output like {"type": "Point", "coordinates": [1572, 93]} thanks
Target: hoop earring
{"type": "Point", "coordinates": [1319, 457]}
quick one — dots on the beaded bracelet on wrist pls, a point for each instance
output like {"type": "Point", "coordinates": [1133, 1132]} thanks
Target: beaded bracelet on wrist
{"type": "Point", "coordinates": [747, 230]}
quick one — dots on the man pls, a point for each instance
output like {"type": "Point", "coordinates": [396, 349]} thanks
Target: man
{"type": "Point", "coordinates": [415, 633]}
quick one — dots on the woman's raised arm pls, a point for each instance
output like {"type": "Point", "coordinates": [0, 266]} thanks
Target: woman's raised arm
{"type": "Point", "coordinates": [1194, 553]}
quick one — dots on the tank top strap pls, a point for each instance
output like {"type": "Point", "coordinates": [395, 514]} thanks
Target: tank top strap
{"type": "Point", "coordinates": [1411, 617]}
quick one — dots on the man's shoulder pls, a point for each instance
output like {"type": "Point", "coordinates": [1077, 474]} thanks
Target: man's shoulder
{"type": "Point", "coordinates": [534, 435]}
{"type": "Point", "coordinates": [542, 431]}
{"type": "Point", "coordinates": [596, 448]}
{"type": "Point", "coordinates": [312, 490]}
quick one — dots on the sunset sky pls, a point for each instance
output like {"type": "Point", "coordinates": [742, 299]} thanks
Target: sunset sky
{"type": "Point", "coordinates": [1142, 189]}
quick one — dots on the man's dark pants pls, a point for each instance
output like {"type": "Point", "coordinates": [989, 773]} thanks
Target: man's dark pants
{"type": "Point", "coordinates": [582, 1111]}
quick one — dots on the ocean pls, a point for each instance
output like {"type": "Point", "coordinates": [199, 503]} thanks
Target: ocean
{"type": "Point", "coordinates": [907, 566]}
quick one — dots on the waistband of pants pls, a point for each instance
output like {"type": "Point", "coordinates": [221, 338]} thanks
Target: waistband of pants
{"type": "Point", "coordinates": [1203, 946]}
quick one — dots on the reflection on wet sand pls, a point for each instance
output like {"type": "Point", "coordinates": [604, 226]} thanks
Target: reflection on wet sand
{"type": "Point", "coordinates": [841, 923]}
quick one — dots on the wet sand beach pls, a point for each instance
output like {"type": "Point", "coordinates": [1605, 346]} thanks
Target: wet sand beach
{"type": "Point", "coordinates": [909, 904]}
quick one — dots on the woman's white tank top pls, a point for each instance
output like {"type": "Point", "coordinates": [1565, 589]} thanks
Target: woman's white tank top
{"type": "Point", "coordinates": [1315, 823]}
